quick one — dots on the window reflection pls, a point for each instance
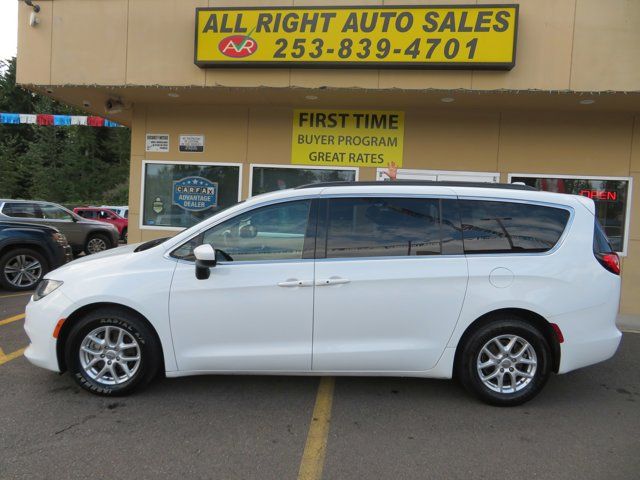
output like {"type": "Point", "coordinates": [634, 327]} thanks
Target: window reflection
{"type": "Point", "coordinates": [269, 179]}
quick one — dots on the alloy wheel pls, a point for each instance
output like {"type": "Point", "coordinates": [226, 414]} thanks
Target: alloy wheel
{"type": "Point", "coordinates": [96, 245]}
{"type": "Point", "coordinates": [507, 364]}
{"type": "Point", "coordinates": [23, 271]}
{"type": "Point", "coordinates": [110, 355]}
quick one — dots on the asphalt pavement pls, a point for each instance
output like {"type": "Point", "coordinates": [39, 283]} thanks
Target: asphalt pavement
{"type": "Point", "coordinates": [584, 425]}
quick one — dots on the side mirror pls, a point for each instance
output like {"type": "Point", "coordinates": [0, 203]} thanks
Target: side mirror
{"type": "Point", "coordinates": [205, 259]}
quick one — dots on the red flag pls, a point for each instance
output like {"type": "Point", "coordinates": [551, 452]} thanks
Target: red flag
{"type": "Point", "coordinates": [43, 119]}
{"type": "Point", "coordinates": [95, 121]}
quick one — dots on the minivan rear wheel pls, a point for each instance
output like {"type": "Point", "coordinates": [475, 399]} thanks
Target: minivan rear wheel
{"type": "Point", "coordinates": [112, 352]}
{"type": "Point", "coordinates": [505, 362]}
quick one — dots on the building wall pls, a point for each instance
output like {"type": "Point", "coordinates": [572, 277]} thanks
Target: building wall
{"type": "Point", "coordinates": [582, 45]}
{"type": "Point", "coordinates": [504, 142]}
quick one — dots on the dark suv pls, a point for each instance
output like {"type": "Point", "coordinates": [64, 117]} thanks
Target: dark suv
{"type": "Point", "coordinates": [85, 235]}
{"type": "Point", "coordinates": [28, 252]}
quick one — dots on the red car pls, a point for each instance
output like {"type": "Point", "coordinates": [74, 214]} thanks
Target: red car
{"type": "Point", "coordinates": [105, 215]}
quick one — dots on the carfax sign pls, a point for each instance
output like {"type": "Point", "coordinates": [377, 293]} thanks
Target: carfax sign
{"type": "Point", "coordinates": [362, 138]}
{"type": "Point", "coordinates": [454, 36]}
{"type": "Point", "coordinates": [195, 194]}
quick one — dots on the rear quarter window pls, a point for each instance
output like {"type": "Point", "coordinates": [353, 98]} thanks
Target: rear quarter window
{"type": "Point", "coordinates": [21, 210]}
{"type": "Point", "coordinates": [509, 227]}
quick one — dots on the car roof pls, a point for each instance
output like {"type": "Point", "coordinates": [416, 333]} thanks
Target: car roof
{"type": "Point", "coordinates": [12, 200]}
{"type": "Point", "coordinates": [419, 183]}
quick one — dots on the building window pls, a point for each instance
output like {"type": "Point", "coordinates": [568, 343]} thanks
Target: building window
{"type": "Point", "coordinates": [179, 195]}
{"type": "Point", "coordinates": [439, 175]}
{"type": "Point", "coordinates": [268, 178]}
{"type": "Point", "coordinates": [610, 195]}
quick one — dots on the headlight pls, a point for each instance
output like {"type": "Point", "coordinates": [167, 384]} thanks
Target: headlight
{"type": "Point", "coordinates": [60, 239]}
{"type": "Point", "coordinates": [45, 288]}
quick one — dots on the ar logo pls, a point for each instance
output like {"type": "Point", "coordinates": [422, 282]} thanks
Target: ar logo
{"type": "Point", "coordinates": [238, 46]}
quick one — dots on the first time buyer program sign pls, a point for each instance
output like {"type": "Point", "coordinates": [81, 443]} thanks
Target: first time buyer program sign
{"type": "Point", "coordinates": [363, 138]}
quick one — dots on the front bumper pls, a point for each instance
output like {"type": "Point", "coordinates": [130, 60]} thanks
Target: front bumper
{"type": "Point", "coordinates": [40, 321]}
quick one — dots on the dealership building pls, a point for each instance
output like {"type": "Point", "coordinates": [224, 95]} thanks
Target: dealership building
{"type": "Point", "coordinates": [227, 100]}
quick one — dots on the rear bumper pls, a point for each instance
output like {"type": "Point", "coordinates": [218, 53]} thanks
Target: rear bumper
{"type": "Point", "coordinates": [590, 336]}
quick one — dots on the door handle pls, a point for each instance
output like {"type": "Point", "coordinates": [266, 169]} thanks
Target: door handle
{"type": "Point", "coordinates": [331, 281]}
{"type": "Point", "coordinates": [296, 283]}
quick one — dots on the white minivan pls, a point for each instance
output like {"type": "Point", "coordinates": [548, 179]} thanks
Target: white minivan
{"type": "Point", "coordinates": [497, 285]}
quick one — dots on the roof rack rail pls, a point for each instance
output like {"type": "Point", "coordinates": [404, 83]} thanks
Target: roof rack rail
{"type": "Point", "coordinates": [420, 183]}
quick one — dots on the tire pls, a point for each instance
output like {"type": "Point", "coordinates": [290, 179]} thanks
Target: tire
{"type": "Point", "coordinates": [124, 235]}
{"type": "Point", "coordinates": [96, 242]}
{"type": "Point", "coordinates": [104, 372]}
{"type": "Point", "coordinates": [12, 263]}
{"type": "Point", "coordinates": [534, 363]}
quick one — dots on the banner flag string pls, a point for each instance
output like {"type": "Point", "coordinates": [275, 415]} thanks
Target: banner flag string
{"type": "Point", "coordinates": [55, 120]}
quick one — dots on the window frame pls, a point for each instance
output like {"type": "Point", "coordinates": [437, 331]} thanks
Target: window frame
{"type": "Point", "coordinates": [252, 166]}
{"type": "Point", "coordinates": [310, 240]}
{"type": "Point", "coordinates": [559, 242]}
{"type": "Point", "coordinates": [177, 162]}
{"type": "Point", "coordinates": [36, 209]}
{"type": "Point", "coordinates": [60, 207]}
{"type": "Point", "coordinates": [323, 224]}
{"type": "Point", "coordinates": [629, 180]}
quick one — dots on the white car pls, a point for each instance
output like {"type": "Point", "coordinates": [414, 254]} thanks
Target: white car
{"type": "Point", "coordinates": [122, 210]}
{"type": "Point", "coordinates": [496, 286]}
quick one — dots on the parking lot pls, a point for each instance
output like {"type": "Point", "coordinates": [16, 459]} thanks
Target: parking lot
{"type": "Point", "coordinates": [583, 426]}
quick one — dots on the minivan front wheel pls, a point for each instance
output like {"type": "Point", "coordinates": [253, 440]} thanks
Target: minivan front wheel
{"type": "Point", "coordinates": [112, 352]}
{"type": "Point", "coordinates": [505, 362]}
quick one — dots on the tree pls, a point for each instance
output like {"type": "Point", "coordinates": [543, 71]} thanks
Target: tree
{"type": "Point", "coordinates": [71, 165]}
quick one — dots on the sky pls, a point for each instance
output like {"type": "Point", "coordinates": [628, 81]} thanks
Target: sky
{"type": "Point", "coordinates": [8, 28]}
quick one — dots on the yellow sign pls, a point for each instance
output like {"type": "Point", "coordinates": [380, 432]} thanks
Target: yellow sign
{"type": "Point", "coordinates": [347, 138]}
{"type": "Point", "coordinates": [477, 36]}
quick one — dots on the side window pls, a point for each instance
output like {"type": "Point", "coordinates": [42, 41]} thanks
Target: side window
{"type": "Point", "coordinates": [275, 232]}
{"type": "Point", "coordinates": [21, 210]}
{"type": "Point", "coordinates": [383, 227]}
{"type": "Point", "coordinates": [51, 212]}
{"type": "Point", "coordinates": [506, 227]}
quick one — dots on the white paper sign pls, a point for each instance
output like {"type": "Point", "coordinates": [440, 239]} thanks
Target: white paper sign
{"type": "Point", "coordinates": [192, 143]}
{"type": "Point", "coordinates": [157, 142]}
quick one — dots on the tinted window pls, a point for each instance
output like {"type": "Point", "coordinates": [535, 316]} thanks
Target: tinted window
{"type": "Point", "coordinates": [275, 232]}
{"type": "Point", "coordinates": [22, 210]}
{"type": "Point", "coordinates": [87, 213]}
{"type": "Point", "coordinates": [503, 227]}
{"type": "Point", "coordinates": [600, 241]}
{"type": "Point", "coordinates": [382, 227]}
{"type": "Point", "coordinates": [51, 212]}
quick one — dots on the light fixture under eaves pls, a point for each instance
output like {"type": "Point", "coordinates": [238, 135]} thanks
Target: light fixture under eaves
{"type": "Point", "coordinates": [587, 101]}
{"type": "Point", "coordinates": [173, 95]}
{"type": "Point", "coordinates": [447, 99]}
{"type": "Point", "coordinates": [311, 97]}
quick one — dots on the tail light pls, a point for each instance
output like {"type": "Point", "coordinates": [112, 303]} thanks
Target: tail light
{"type": "Point", "coordinates": [610, 261]}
